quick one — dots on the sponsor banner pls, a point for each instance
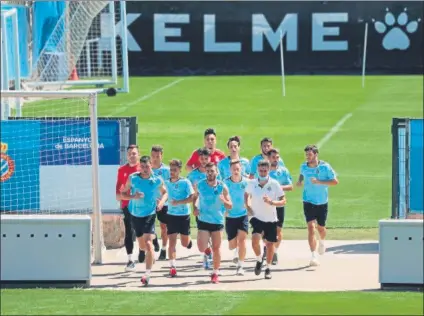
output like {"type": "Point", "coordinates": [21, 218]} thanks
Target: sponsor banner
{"type": "Point", "coordinates": [20, 164]}
{"type": "Point", "coordinates": [416, 169]}
{"type": "Point", "coordinates": [68, 142]}
{"type": "Point", "coordinates": [236, 37]}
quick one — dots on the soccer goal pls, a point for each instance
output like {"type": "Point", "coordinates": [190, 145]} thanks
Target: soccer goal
{"type": "Point", "coordinates": [87, 47]}
{"type": "Point", "coordinates": [51, 217]}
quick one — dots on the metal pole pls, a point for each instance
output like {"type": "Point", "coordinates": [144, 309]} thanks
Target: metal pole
{"type": "Point", "coordinates": [17, 62]}
{"type": "Point", "coordinates": [97, 213]}
{"type": "Point", "coordinates": [124, 48]}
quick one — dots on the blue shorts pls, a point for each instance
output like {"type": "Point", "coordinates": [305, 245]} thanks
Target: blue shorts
{"type": "Point", "coordinates": [234, 224]}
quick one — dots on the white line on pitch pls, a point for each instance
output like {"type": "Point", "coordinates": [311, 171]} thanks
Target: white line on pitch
{"type": "Point", "coordinates": [124, 107]}
{"type": "Point", "coordinates": [333, 130]}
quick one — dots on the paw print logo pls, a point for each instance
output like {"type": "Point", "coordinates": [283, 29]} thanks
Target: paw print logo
{"type": "Point", "coordinates": [396, 30]}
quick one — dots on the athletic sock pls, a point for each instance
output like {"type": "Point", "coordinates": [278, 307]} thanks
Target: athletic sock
{"type": "Point", "coordinates": [130, 257]}
{"type": "Point", "coordinates": [259, 258]}
{"type": "Point", "coordinates": [148, 272]}
{"type": "Point", "coordinates": [235, 253]}
{"type": "Point", "coordinates": [240, 263]}
{"type": "Point", "coordinates": [216, 272]}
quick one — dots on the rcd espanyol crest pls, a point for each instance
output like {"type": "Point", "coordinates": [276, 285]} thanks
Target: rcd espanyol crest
{"type": "Point", "coordinates": [7, 164]}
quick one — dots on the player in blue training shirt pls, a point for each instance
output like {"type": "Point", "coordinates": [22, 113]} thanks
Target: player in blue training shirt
{"type": "Point", "coordinates": [316, 176]}
{"type": "Point", "coordinates": [142, 190]}
{"type": "Point", "coordinates": [214, 199]}
{"type": "Point", "coordinates": [266, 145]}
{"type": "Point", "coordinates": [233, 145]}
{"type": "Point", "coordinates": [161, 170]}
{"type": "Point", "coordinates": [180, 194]}
{"type": "Point", "coordinates": [237, 221]}
{"type": "Point", "coordinates": [282, 175]}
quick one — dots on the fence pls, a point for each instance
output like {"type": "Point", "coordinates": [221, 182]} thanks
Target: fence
{"type": "Point", "coordinates": [407, 167]}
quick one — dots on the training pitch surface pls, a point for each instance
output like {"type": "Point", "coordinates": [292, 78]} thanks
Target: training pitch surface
{"type": "Point", "coordinates": [347, 265]}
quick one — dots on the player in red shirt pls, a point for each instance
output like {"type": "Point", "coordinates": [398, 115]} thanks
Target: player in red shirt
{"type": "Point", "coordinates": [133, 165]}
{"type": "Point", "coordinates": [210, 143]}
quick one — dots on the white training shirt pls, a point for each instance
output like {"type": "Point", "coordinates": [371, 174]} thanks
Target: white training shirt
{"type": "Point", "coordinates": [261, 210]}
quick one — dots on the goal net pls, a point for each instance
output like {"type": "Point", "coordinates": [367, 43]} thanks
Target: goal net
{"type": "Point", "coordinates": [87, 47]}
{"type": "Point", "coordinates": [49, 157]}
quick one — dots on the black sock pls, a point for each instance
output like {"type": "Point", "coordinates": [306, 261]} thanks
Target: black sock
{"type": "Point", "coordinates": [190, 244]}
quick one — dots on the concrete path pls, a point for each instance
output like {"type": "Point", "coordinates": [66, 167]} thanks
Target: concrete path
{"type": "Point", "coordinates": [347, 265]}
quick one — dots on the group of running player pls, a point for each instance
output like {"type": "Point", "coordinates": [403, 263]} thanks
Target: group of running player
{"type": "Point", "coordinates": [224, 191]}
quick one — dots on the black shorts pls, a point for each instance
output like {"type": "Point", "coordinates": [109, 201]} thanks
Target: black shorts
{"type": "Point", "coordinates": [280, 215]}
{"type": "Point", "coordinates": [315, 212]}
{"type": "Point", "coordinates": [234, 224]}
{"type": "Point", "coordinates": [163, 215]}
{"type": "Point", "coordinates": [178, 224]}
{"type": "Point", "coordinates": [144, 225]}
{"type": "Point", "coordinates": [209, 227]}
{"type": "Point", "coordinates": [269, 229]}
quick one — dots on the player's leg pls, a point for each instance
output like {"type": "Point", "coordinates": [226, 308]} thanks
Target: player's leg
{"type": "Point", "coordinates": [172, 231]}
{"type": "Point", "coordinates": [241, 242]}
{"type": "Point", "coordinates": [137, 224]}
{"type": "Point", "coordinates": [163, 219]}
{"type": "Point", "coordinates": [207, 251]}
{"type": "Point", "coordinates": [185, 232]}
{"type": "Point", "coordinates": [257, 231]}
{"type": "Point", "coordinates": [270, 232]}
{"type": "Point", "coordinates": [128, 241]}
{"type": "Point", "coordinates": [322, 211]}
{"type": "Point", "coordinates": [310, 217]}
{"type": "Point", "coordinates": [231, 230]}
{"type": "Point", "coordinates": [280, 223]}
{"type": "Point", "coordinates": [148, 236]}
{"type": "Point", "coordinates": [216, 237]}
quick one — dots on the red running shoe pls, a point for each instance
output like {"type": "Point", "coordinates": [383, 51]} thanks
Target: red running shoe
{"type": "Point", "coordinates": [214, 278]}
{"type": "Point", "coordinates": [173, 272]}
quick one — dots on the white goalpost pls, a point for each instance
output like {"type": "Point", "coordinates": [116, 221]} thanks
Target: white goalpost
{"type": "Point", "coordinates": [88, 47]}
{"type": "Point", "coordinates": [50, 202]}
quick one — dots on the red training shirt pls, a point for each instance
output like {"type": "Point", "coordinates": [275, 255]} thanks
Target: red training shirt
{"type": "Point", "coordinates": [216, 157]}
{"type": "Point", "coordinates": [123, 174]}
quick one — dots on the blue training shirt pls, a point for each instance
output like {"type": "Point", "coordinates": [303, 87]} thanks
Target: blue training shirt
{"type": "Point", "coordinates": [225, 171]}
{"type": "Point", "coordinates": [164, 173]}
{"type": "Point", "coordinates": [179, 190]}
{"type": "Point", "coordinates": [211, 208]}
{"type": "Point", "coordinates": [196, 175]}
{"type": "Point", "coordinates": [282, 175]}
{"type": "Point", "coordinates": [254, 164]}
{"type": "Point", "coordinates": [151, 188]}
{"type": "Point", "coordinates": [237, 190]}
{"type": "Point", "coordinates": [316, 193]}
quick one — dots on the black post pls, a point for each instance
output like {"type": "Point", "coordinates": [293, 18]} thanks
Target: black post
{"type": "Point", "coordinates": [395, 168]}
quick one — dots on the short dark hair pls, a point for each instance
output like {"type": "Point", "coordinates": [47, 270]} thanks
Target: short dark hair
{"type": "Point", "coordinates": [209, 131]}
{"type": "Point", "coordinates": [210, 165]}
{"type": "Point", "coordinates": [266, 140]}
{"type": "Point", "coordinates": [312, 148]}
{"type": "Point", "coordinates": [203, 151]}
{"type": "Point", "coordinates": [234, 139]}
{"type": "Point", "coordinates": [132, 146]}
{"type": "Point", "coordinates": [234, 161]}
{"type": "Point", "coordinates": [157, 149]}
{"type": "Point", "coordinates": [176, 163]}
{"type": "Point", "coordinates": [263, 163]}
{"type": "Point", "coordinates": [272, 151]}
{"type": "Point", "coordinates": [145, 159]}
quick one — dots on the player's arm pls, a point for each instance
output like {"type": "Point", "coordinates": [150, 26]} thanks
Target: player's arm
{"type": "Point", "coordinates": [331, 178]}
{"type": "Point", "coordinates": [120, 187]}
{"type": "Point", "coordinates": [226, 199]}
{"type": "Point", "coordinates": [287, 184]}
{"type": "Point", "coordinates": [194, 201]}
{"type": "Point", "coordinates": [299, 182]}
{"type": "Point", "coordinates": [279, 202]}
{"type": "Point", "coordinates": [164, 193]}
{"type": "Point", "coordinates": [125, 194]}
{"type": "Point", "coordinates": [189, 199]}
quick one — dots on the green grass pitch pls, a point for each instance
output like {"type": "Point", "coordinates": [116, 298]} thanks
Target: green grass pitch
{"type": "Point", "coordinates": [253, 107]}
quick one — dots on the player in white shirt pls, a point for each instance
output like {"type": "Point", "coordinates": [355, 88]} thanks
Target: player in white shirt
{"type": "Point", "coordinates": [263, 195]}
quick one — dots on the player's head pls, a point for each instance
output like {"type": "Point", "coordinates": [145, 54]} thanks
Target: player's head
{"type": "Point", "coordinates": [211, 171]}
{"type": "Point", "coordinates": [204, 156]}
{"type": "Point", "coordinates": [311, 153]}
{"type": "Point", "coordinates": [156, 154]}
{"type": "Point", "coordinates": [263, 169]}
{"type": "Point", "coordinates": [233, 144]}
{"type": "Point", "coordinates": [133, 155]}
{"type": "Point", "coordinates": [273, 156]}
{"type": "Point", "coordinates": [145, 166]}
{"type": "Point", "coordinates": [235, 167]}
{"type": "Point", "coordinates": [210, 138]}
{"type": "Point", "coordinates": [266, 144]}
{"type": "Point", "coordinates": [175, 168]}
